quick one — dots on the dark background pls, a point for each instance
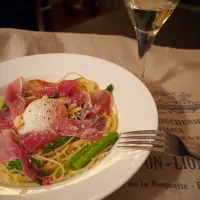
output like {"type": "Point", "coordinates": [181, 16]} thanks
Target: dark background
{"type": "Point", "coordinates": [18, 14]}
{"type": "Point", "coordinates": [182, 30]}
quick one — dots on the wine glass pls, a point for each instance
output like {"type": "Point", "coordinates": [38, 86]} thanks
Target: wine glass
{"type": "Point", "coordinates": [147, 17]}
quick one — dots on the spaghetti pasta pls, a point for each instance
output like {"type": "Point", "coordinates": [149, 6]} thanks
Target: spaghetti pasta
{"type": "Point", "coordinates": [53, 163]}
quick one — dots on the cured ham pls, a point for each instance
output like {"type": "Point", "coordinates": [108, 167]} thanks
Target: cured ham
{"type": "Point", "coordinates": [102, 98]}
{"type": "Point", "coordinates": [45, 88]}
{"type": "Point", "coordinates": [4, 125]}
{"type": "Point", "coordinates": [65, 87]}
{"type": "Point", "coordinates": [31, 170]}
{"type": "Point", "coordinates": [85, 129]}
{"type": "Point", "coordinates": [37, 140]}
{"type": "Point", "coordinates": [9, 150]}
{"type": "Point", "coordinates": [6, 114]}
{"type": "Point", "coordinates": [97, 102]}
{"type": "Point", "coordinates": [75, 97]}
{"type": "Point", "coordinates": [13, 98]}
{"type": "Point", "coordinates": [87, 106]}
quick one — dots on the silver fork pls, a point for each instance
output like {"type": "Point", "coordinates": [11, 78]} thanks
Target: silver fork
{"type": "Point", "coordinates": [160, 141]}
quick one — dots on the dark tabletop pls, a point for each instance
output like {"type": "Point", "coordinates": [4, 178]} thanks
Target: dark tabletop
{"type": "Point", "coordinates": [182, 30]}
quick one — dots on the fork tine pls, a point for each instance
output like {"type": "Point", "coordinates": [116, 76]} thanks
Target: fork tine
{"type": "Point", "coordinates": [149, 148]}
{"type": "Point", "coordinates": [142, 137]}
{"type": "Point", "coordinates": [135, 145]}
{"type": "Point", "coordinates": [143, 132]}
{"type": "Point", "coordinates": [143, 142]}
{"type": "Point", "coordinates": [129, 134]}
{"type": "Point", "coordinates": [145, 139]}
{"type": "Point", "coordinates": [154, 140]}
{"type": "Point", "coordinates": [151, 137]}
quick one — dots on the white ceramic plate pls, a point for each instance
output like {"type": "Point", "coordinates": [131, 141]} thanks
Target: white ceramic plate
{"type": "Point", "coordinates": [136, 107]}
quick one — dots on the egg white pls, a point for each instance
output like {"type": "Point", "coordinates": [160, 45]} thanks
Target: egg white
{"type": "Point", "coordinates": [41, 115]}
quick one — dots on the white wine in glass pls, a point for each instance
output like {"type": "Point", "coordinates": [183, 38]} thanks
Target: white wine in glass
{"type": "Point", "coordinates": [147, 17]}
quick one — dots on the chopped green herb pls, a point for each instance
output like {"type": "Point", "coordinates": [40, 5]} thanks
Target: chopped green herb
{"type": "Point", "coordinates": [38, 181]}
{"type": "Point", "coordinates": [45, 173]}
{"type": "Point", "coordinates": [4, 105]}
{"type": "Point", "coordinates": [36, 162]}
{"type": "Point", "coordinates": [15, 164]}
{"type": "Point", "coordinates": [110, 88]}
{"type": "Point", "coordinates": [53, 96]}
{"type": "Point", "coordinates": [54, 145]}
{"type": "Point", "coordinates": [79, 78]}
{"type": "Point", "coordinates": [95, 120]}
{"type": "Point", "coordinates": [28, 94]}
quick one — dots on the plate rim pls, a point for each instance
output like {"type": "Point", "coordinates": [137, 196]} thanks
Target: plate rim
{"type": "Point", "coordinates": [110, 63]}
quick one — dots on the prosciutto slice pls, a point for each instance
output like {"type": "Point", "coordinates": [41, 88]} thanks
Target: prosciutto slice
{"type": "Point", "coordinates": [65, 87]}
{"type": "Point", "coordinates": [31, 171]}
{"type": "Point", "coordinates": [76, 97]}
{"type": "Point", "coordinates": [96, 103]}
{"type": "Point", "coordinates": [5, 114]}
{"type": "Point", "coordinates": [102, 98]}
{"type": "Point", "coordinates": [9, 150]}
{"type": "Point", "coordinates": [37, 140]}
{"type": "Point", "coordinates": [84, 129]}
{"type": "Point", "coordinates": [4, 125]}
{"type": "Point", "coordinates": [41, 87]}
{"type": "Point", "coordinates": [13, 97]}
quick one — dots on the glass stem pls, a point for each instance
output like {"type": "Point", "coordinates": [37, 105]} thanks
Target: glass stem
{"type": "Point", "coordinates": [145, 40]}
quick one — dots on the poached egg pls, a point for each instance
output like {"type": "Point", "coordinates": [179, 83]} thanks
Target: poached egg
{"type": "Point", "coordinates": [40, 115]}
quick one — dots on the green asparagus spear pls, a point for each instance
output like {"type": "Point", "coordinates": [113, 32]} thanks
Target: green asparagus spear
{"type": "Point", "coordinates": [94, 150]}
{"type": "Point", "coordinates": [75, 157]}
{"type": "Point", "coordinates": [36, 162]}
{"type": "Point", "coordinates": [57, 143]}
{"type": "Point", "coordinates": [110, 88]}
